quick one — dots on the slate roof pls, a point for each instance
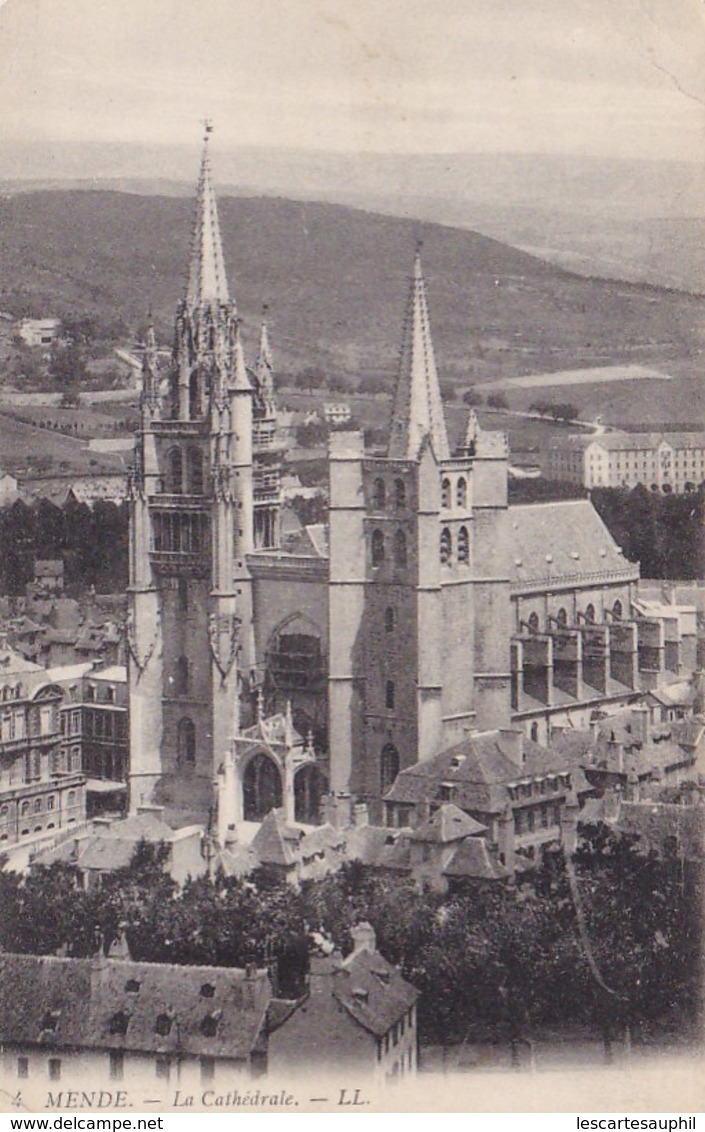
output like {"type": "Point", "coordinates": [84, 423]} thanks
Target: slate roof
{"type": "Point", "coordinates": [479, 770]}
{"type": "Point", "coordinates": [80, 998]}
{"type": "Point", "coordinates": [561, 541]}
{"type": "Point", "coordinates": [372, 991]}
{"type": "Point", "coordinates": [472, 859]}
{"type": "Point", "coordinates": [447, 824]}
{"type": "Point", "coordinates": [276, 842]}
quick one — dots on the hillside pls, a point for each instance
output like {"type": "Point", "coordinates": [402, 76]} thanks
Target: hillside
{"type": "Point", "coordinates": [335, 279]}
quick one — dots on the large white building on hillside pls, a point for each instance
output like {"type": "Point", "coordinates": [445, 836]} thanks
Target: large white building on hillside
{"type": "Point", "coordinates": [671, 462]}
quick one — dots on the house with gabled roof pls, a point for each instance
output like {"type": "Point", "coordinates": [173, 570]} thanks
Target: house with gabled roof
{"type": "Point", "coordinates": [114, 1022]}
{"type": "Point", "coordinates": [358, 1014]}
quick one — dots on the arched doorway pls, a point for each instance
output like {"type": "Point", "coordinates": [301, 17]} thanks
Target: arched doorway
{"type": "Point", "coordinates": [261, 788]}
{"type": "Point", "coordinates": [309, 788]}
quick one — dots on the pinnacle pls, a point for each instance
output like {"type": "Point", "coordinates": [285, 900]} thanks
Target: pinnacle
{"type": "Point", "coordinates": [418, 409]}
{"type": "Point", "coordinates": [207, 283]}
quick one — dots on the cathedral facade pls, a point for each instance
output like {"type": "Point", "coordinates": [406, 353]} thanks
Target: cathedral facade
{"type": "Point", "coordinates": [260, 678]}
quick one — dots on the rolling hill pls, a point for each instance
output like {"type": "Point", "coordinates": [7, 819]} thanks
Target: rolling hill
{"type": "Point", "coordinates": [335, 279]}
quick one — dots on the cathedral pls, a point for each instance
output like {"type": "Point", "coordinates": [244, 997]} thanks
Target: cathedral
{"type": "Point", "coordinates": [260, 678]}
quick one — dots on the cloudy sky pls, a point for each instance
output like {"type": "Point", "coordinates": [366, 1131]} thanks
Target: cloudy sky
{"type": "Point", "coordinates": [606, 77]}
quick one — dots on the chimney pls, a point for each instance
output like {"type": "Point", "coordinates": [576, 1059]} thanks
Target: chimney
{"type": "Point", "coordinates": [364, 938]}
{"type": "Point", "coordinates": [361, 814]}
{"type": "Point", "coordinates": [640, 723]}
{"type": "Point", "coordinates": [512, 743]}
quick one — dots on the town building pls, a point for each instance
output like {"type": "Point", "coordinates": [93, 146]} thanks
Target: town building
{"type": "Point", "coordinates": [114, 1023]}
{"type": "Point", "coordinates": [671, 462]}
{"type": "Point", "coordinates": [309, 677]}
{"type": "Point", "coordinates": [358, 1015]}
{"type": "Point", "coordinates": [39, 331]}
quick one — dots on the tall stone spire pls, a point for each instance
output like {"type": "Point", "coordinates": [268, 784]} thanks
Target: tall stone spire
{"type": "Point", "coordinates": [207, 282]}
{"type": "Point", "coordinates": [418, 410]}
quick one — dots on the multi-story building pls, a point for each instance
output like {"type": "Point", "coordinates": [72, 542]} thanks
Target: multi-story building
{"type": "Point", "coordinates": [42, 784]}
{"type": "Point", "coordinates": [666, 462]}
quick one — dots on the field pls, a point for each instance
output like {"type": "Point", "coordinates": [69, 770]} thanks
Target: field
{"type": "Point", "coordinates": [27, 450]}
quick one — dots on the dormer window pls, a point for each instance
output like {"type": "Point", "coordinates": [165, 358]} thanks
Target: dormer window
{"type": "Point", "coordinates": [51, 1020]}
{"type": "Point", "coordinates": [163, 1024]}
{"type": "Point", "coordinates": [119, 1023]}
{"type": "Point", "coordinates": [209, 1025]}
{"type": "Point", "coordinates": [132, 986]}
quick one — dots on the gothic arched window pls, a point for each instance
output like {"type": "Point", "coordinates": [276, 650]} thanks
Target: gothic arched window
{"type": "Point", "coordinates": [461, 492]}
{"type": "Point", "coordinates": [175, 472]}
{"type": "Point", "coordinates": [590, 614]}
{"type": "Point", "coordinates": [400, 548]}
{"type": "Point", "coordinates": [446, 547]}
{"type": "Point", "coordinates": [389, 695]}
{"type": "Point", "coordinates": [445, 493]}
{"type": "Point", "coordinates": [389, 766]}
{"type": "Point", "coordinates": [195, 471]}
{"type": "Point", "coordinates": [463, 546]}
{"type": "Point", "coordinates": [535, 732]}
{"type": "Point", "coordinates": [181, 676]}
{"type": "Point", "coordinates": [617, 610]}
{"type": "Point", "coordinates": [389, 619]}
{"type": "Point", "coordinates": [533, 622]}
{"type": "Point", "coordinates": [377, 548]}
{"type": "Point", "coordinates": [400, 493]}
{"type": "Point", "coordinates": [186, 742]}
{"type": "Point", "coordinates": [379, 494]}
{"type": "Point", "coordinates": [562, 617]}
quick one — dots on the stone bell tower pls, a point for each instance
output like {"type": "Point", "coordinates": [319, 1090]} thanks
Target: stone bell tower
{"type": "Point", "coordinates": [192, 525]}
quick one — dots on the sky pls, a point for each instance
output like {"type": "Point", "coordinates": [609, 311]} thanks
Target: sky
{"type": "Point", "coordinates": [604, 77]}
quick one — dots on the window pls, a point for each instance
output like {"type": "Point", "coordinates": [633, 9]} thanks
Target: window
{"type": "Point", "coordinates": [23, 1067]}
{"type": "Point", "coordinates": [175, 472]}
{"type": "Point", "coordinates": [71, 799]}
{"type": "Point", "coordinates": [161, 1068]}
{"type": "Point", "coordinates": [186, 742]}
{"type": "Point", "coordinates": [400, 493]}
{"type": "Point", "coordinates": [24, 809]}
{"type": "Point", "coordinates": [389, 766]}
{"type": "Point", "coordinates": [209, 1025]}
{"type": "Point", "coordinates": [182, 599]}
{"type": "Point", "coordinates": [590, 614]}
{"type": "Point", "coordinates": [46, 720]}
{"type": "Point", "coordinates": [195, 471]}
{"type": "Point", "coordinates": [90, 693]}
{"type": "Point", "coordinates": [445, 494]}
{"type": "Point", "coordinates": [389, 619]}
{"type": "Point", "coordinates": [162, 1026]}
{"type": "Point", "coordinates": [379, 494]}
{"type": "Point", "coordinates": [446, 547]}
{"type": "Point", "coordinates": [181, 676]}
{"type": "Point", "coordinates": [132, 986]}
{"type": "Point", "coordinates": [207, 990]}
{"type": "Point", "coordinates": [119, 1023]}
{"type": "Point", "coordinates": [562, 618]}
{"type": "Point", "coordinates": [389, 695]}
{"type": "Point", "coordinates": [377, 548]}
{"type": "Point", "coordinates": [207, 1068]}
{"type": "Point", "coordinates": [110, 694]}
{"type": "Point", "coordinates": [400, 549]}
{"type": "Point", "coordinates": [535, 732]}
{"type": "Point", "coordinates": [54, 1068]}
{"type": "Point", "coordinates": [461, 492]}
{"type": "Point", "coordinates": [533, 622]}
{"type": "Point", "coordinates": [617, 610]}
{"type": "Point", "coordinates": [117, 1064]}
{"type": "Point", "coordinates": [463, 546]}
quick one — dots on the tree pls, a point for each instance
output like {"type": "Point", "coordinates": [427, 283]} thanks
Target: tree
{"type": "Point", "coordinates": [448, 391]}
{"type": "Point", "coordinates": [67, 365]}
{"type": "Point", "coordinates": [497, 401]}
{"type": "Point", "coordinates": [369, 385]}
{"type": "Point", "coordinates": [311, 378]}
{"type": "Point", "coordinates": [472, 397]}
{"type": "Point", "coordinates": [564, 411]}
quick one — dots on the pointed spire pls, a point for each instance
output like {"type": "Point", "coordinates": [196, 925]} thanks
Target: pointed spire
{"type": "Point", "coordinates": [263, 365]}
{"type": "Point", "coordinates": [207, 283]}
{"type": "Point", "coordinates": [418, 410]}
